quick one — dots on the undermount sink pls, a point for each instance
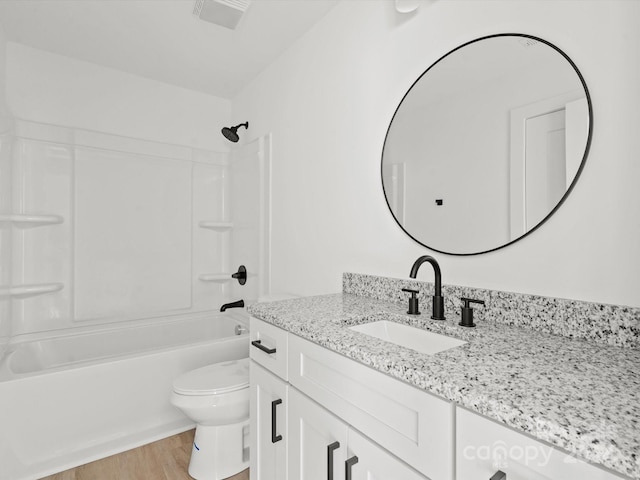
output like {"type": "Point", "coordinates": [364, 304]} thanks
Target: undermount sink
{"type": "Point", "coordinates": [410, 337]}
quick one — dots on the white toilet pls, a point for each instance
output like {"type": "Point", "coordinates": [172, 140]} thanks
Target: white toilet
{"type": "Point", "coordinates": [216, 398]}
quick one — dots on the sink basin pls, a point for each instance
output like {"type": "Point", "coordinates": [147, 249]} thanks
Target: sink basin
{"type": "Point", "coordinates": [410, 337]}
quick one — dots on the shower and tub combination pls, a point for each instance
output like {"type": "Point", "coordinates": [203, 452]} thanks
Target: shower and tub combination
{"type": "Point", "coordinates": [121, 253]}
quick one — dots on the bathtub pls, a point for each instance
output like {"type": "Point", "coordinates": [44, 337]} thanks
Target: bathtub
{"type": "Point", "coordinates": [75, 398]}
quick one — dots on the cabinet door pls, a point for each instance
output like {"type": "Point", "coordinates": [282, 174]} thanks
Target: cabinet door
{"type": "Point", "coordinates": [268, 425]}
{"type": "Point", "coordinates": [484, 447]}
{"type": "Point", "coordinates": [317, 440]}
{"type": "Point", "coordinates": [375, 463]}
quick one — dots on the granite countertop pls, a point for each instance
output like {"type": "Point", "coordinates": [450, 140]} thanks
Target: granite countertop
{"type": "Point", "coordinates": [574, 394]}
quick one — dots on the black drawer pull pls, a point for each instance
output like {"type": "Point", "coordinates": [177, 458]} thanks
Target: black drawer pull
{"type": "Point", "coordinates": [258, 343]}
{"type": "Point", "coordinates": [350, 462]}
{"type": "Point", "coordinates": [499, 475]}
{"type": "Point", "coordinates": [330, 449]}
{"type": "Point", "coordinates": [274, 437]}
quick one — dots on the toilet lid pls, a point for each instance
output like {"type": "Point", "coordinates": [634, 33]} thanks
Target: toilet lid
{"type": "Point", "coordinates": [217, 378]}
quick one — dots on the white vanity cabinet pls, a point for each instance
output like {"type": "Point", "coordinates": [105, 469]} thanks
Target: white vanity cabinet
{"type": "Point", "coordinates": [328, 398]}
{"type": "Point", "coordinates": [269, 401]}
{"type": "Point", "coordinates": [484, 448]}
{"type": "Point", "coordinates": [341, 420]}
{"type": "Point", "coordinates": [323, 447]}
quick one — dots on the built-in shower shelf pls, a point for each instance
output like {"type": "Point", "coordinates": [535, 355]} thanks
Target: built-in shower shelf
{"type": "Point", "coordinates": [24, 220]}
{"type": "Point", "coordinates": [30, 290]}
{"type": "Point", "coordinates": [218, 226]}
{"type": "Point", "coordinates": [215, 277]}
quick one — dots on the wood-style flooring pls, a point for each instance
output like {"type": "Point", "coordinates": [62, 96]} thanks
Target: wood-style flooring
{"type": "Point", "coordinates": [166, 459]}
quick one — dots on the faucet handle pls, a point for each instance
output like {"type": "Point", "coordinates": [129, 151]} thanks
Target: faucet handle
{"type": "Point", "coordinates": [413, 301]}
{"type": "Point", "coordinates": [467, 301]}
{"type": "Point", "coordinates": [466, 318]}
{"type": "Point", "coordinates": [410, 290]}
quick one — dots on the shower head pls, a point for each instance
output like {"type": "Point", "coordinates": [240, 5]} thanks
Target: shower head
{"type": "Point", "coordinates": [231, 133]}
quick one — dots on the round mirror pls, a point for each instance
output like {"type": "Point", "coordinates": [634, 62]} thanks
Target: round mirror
{"type": "Point", "coordinates": [486, 144]}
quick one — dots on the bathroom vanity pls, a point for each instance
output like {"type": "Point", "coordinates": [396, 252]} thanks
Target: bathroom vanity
{"type": "Point", "coordinates": [329, 402]}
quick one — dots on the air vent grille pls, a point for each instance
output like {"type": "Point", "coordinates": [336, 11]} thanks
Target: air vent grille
{"type": "Point", "coordinates": [239, 4]}
{"type": "Point", "coordinates": [226, 13]}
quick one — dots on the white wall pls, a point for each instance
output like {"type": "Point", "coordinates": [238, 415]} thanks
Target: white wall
{"type": "Point", "coordinates": [50, 88]}
{"type": "Point", "coordinates": [328, 101]}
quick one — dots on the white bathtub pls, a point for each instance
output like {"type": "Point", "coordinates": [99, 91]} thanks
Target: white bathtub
{"type": "Point", "coordinates": [72, 399]}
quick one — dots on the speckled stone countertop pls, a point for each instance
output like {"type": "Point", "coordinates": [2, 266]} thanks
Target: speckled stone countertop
{"type": "Point", "coordinates": [578, 395]}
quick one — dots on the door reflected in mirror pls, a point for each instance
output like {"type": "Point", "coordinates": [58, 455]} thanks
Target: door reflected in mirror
{"type": "Point", "coordinates": [486, 144]}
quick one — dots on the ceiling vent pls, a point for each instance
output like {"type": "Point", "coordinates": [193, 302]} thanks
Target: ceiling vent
{"type": "Point", "coordinates": [226, 13]}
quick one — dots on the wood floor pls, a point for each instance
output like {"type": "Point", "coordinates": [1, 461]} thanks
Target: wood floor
{"type": "Point", "coordinates": [166, 459]}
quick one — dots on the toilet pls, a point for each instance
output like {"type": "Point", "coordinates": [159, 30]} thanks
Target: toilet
{"type": "Point", "coordinates": [216, 398]}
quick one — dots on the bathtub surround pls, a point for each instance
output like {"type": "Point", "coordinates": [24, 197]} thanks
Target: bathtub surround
{"type": "Point", "coordinates": [577, 395]}
{"type": "Point", "coordinates": [615, 325]}
{"type": "Point", "coordinates": [105, 252]}
{"type": "Point", "coordinates": [96, 256]}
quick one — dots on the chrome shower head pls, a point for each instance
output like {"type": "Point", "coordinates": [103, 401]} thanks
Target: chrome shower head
{"type": "Point", "coordinates": [231, 133]}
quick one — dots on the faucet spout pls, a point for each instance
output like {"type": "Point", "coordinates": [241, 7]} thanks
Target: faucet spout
{"type": "Point", "coordinates": [438, 301]}
{"type": "Point", "coordinates": [238, 304]}
{"type": "Point", "coordinates": [436, 271]}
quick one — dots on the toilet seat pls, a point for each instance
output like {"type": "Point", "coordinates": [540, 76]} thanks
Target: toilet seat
{"type": "Point", "coordinates": [214, 379]}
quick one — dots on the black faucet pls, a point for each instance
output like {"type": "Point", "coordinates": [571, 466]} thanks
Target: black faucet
{"type": "Point", "coordinates": [438, 301]}
{"type": "Point", "coordinates": [238, 304]}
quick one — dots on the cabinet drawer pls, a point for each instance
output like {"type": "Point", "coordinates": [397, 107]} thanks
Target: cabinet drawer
{"type": "Point", "coordinates": [413, 425]}
{"type": "Point", "coordinates": [269, 347]}
{"type": "Point", "coordinates": [484, 447]}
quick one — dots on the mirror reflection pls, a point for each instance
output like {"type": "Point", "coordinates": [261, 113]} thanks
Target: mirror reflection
{"type": "Point", "coordinates": [486, 144]}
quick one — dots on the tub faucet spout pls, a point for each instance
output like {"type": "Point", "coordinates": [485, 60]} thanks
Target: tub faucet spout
{"type": "Point", "coordinates": [438, 301]}
{"type": "Point", "coordinates": [238, 304]}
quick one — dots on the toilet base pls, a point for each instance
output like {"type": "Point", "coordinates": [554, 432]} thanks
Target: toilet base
{"type": "Point", "coordinates": [219, 451]}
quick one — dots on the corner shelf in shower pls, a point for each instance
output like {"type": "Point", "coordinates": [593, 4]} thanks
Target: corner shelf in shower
{"type": "Point", "coordinates": [24, 220]}
{"type": "Point", "coordinates": [217, 226]}
{"type": "Point", "coordinates": [22, 291]}
{"type": "Point", "coordinates": [215, 277]}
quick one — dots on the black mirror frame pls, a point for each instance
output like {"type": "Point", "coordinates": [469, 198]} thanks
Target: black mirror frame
{"type": "Point", "coordinates": [575, 179]}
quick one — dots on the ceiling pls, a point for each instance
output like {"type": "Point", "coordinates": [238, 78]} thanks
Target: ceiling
{"type": "Point", "coordinates": [162, 39]}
